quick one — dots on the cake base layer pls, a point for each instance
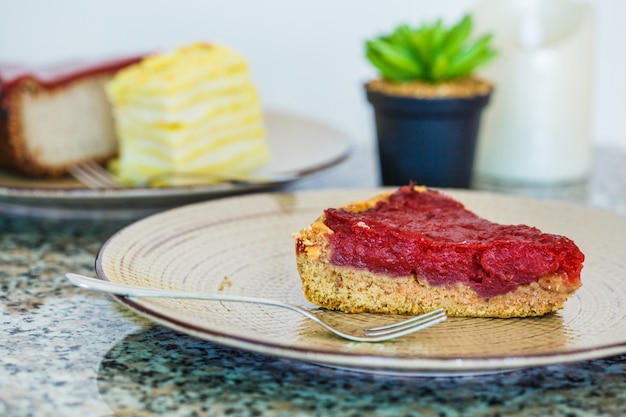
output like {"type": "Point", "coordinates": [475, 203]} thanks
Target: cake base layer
{"type": "Point", "coordinates": [358, 291]}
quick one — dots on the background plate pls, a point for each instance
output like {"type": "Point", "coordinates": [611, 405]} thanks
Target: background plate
{"type": "Point", "coordinates": [298, 146]}
{"type": "Point", "coordinates": [243, 245]}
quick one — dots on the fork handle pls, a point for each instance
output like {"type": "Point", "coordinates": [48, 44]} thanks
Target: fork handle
{"type": "Point", "coordinates": [109, 287]}
{"type": "Point", "coordinates": [131, 291]}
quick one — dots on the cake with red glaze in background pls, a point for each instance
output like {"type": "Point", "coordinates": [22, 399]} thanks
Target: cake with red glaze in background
{"type": "Point", "coordinates": [416, 250]}
{"type": "Point", "coordinates": [55, 117]}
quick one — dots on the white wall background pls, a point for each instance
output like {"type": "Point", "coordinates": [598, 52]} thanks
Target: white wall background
{"type": "Point", "coordinates": [306, 57]}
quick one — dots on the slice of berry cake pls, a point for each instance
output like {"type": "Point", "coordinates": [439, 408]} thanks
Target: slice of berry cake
{"type": "Point", "coordinates": [417, 249]}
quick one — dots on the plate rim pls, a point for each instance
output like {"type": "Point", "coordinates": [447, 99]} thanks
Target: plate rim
{"type": "Point", "coordinates": [10, 193]}
{"type": "Point", "coordinates": [421, 365]}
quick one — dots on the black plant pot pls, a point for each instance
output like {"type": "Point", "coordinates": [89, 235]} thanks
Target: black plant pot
{"type": "Point", "coordinates": [429, 141]}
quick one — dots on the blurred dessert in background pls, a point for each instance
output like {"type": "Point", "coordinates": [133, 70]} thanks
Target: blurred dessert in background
{"type": "Point", "coordinates": [194, 110]}
{"type": "Point", "coordinates": [55, 117]}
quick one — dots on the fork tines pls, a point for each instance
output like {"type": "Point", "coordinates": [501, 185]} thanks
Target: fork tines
{"type": "Point", "coordinates": [94, 176]}
{"type": "Point", "coordinates": [408, 326]}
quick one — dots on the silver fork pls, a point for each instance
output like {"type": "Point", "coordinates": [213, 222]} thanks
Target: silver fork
{"type": "Point", "coordinates": [96, 177]}
{"type": "Point", "coordinates": [371, 334]}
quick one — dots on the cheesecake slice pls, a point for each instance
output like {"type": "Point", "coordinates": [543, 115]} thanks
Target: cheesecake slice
{"type": "Point", "coordinates": [414, 250]}
{"type": "Point", "coordinates": [55, 116]}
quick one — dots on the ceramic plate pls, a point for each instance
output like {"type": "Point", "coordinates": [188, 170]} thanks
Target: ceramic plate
{"type": "Point", "coordinates": [243, 245]}
{"type": "Point", "coordinates": [299, 147]}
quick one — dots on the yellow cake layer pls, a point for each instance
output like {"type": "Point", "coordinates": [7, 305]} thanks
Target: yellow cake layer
{"type": "Point", "coordinates": [179, 134]}
{"type": "Point", "coordinates": [208, 148]}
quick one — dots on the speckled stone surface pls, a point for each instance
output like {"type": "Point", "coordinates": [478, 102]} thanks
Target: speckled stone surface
{"type": "Point", "coordinates": [70, 352]}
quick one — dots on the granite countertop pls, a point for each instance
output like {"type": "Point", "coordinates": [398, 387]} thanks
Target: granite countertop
{"type": "Point", "coordinates": [69, 352]}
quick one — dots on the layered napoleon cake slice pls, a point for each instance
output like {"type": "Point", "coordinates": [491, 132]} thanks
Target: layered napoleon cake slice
{"type": "Point", "coordinates": [194, 110]}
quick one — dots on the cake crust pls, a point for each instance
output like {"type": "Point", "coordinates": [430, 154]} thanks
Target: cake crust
{"type": "Point", "coordinates": [357, 289]}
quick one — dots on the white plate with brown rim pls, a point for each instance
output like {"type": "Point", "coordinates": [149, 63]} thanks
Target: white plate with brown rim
{"type": "Point", "coordinates": [243, 245]}
{"type": "Point", "coordinates": [299, 146]}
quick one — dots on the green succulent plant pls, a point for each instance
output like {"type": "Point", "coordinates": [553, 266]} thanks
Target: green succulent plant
{"type": "Point", "coordinates": [430, 52]}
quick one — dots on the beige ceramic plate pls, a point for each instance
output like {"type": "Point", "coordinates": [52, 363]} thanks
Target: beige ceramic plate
{"type": "Point", "coordinates": [299, 147]}
{"type": "Point", "coordinates": [243, 245]}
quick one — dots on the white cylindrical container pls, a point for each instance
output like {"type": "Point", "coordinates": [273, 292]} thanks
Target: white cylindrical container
{"type": "Point", "coordinates": [537, 127]}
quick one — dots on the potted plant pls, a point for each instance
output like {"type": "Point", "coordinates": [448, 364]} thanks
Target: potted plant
{"type": "Point", "coordinates": [427, 102]}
